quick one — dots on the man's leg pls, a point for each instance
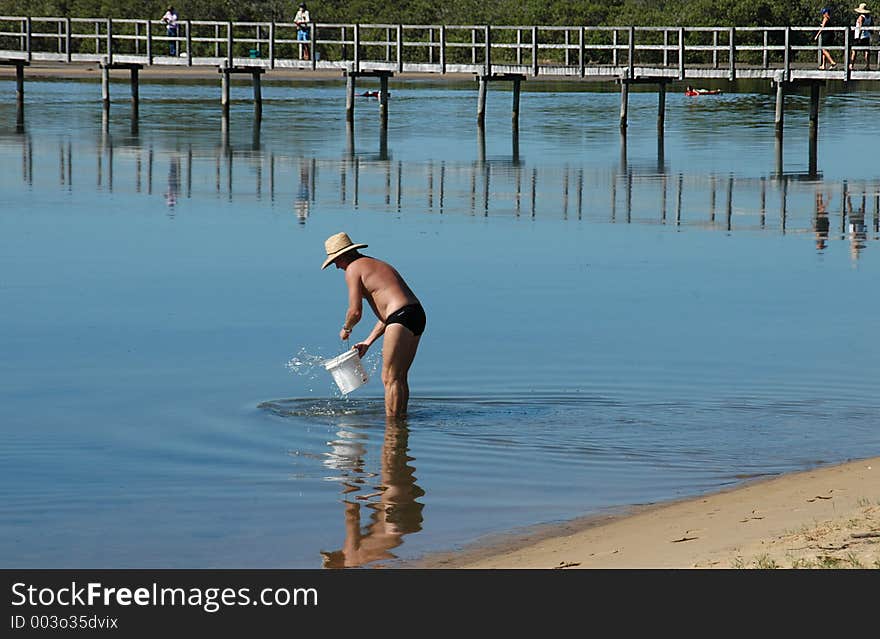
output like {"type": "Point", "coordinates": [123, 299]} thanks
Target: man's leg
{"type": "Point", "coordinates": [398, 351]}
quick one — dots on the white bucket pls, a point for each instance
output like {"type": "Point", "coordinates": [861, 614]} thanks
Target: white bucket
{"type": "Point", "coordinates": [347, 371]}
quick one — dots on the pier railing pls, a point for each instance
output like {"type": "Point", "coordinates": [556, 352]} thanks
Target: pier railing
{"type": "Point", "coordinates": [575, 51]}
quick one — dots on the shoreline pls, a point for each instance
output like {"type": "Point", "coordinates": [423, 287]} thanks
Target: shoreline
{"type": "Point", "coordinates": [825, 517]}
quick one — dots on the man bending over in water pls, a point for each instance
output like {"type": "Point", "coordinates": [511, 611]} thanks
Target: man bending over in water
{"type": "Point", "coordinates": [401, 316]}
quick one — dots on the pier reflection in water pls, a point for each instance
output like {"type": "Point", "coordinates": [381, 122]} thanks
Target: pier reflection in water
{"type": "Point", "coordinates": [370, 178]}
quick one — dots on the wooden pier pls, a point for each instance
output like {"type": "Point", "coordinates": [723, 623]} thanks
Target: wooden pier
{"type": "Point", "coordinates": [627, 55]}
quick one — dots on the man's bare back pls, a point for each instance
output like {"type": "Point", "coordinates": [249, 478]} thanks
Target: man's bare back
{"type": "Point", "coordinates": [380, 284]}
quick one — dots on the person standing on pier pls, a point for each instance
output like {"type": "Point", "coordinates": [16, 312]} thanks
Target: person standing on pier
{"type": "Point", "coordinates": [401, 316]}
{"type": "Point", "coordinates": [827, 38]}
{"type": "Point", "coordinates": [170, 19]}
{"type": "Point", "coordinates": [302, 20]}
{"type": "Point", "coordinates": [862, 34]}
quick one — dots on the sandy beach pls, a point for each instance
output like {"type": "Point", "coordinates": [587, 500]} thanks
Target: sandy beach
{"type": "Point", "coordinates": [828, 517]}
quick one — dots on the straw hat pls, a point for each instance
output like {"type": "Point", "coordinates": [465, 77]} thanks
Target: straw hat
{"type": "Point", "coordinates": [862, 8]}
{"type": "Point", "coordinates": [336, 245]}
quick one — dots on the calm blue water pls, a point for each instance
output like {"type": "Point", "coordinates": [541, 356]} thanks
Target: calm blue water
{"type": "Point", "coordinates": [609, 323]}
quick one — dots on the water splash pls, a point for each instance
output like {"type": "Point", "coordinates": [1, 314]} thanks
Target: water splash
{"type": "Point", "coordinates": [371, 364]}
{"type": "Point", "coordinates": [310, 368]}
{"type": "Point", "coordinates": [305, 363]}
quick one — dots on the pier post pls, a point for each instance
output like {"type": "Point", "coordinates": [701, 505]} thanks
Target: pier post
{"type": "Point", "coordinates": [258, 94]}
{"type": "Point", "coordinates": [814, 109]}
{"type": "Point", "coordinates": [481, 100]}
{"type": "Point", "coordinates": [661, 108]}
{"type": "Point", "coordinates": [255, 143]}
{"type": "Point", "coordinates": [383, 141]}
{"type": "Point", "coordinates": [105, 83]}
{"type": "Point", "coordinates": [514, 116]}
{"type": "Point", "coordinates": [814, 130]}
{"type": "Point", "coordinates": [19, 85]}
{"type": "Point", "coordinates": [661, 155]}
{"type": "Point", "coordinates": [19, 95]}
{"type": "Point", "coordinates": [149, 42]}
{"type": "Point", "coordinates": [224, 133]}
{"type": "Point", "coordinates": [681, 56]}
{"type": "Point", "coordinates": [135, 89]}
{"type": "Point", "coordinates": [224, 87]}
{"type": "Point", "coordinates": [349, 97]}
{"type": "Point", "coordinates": [135, 99]}
{"type": "Point", "coordinates": [780, 104]}
{"type": "Point", "coordinates": [349, 139]}
{"type": "Point", "coordinates": [813, 157]}
{"type": "Point", "coordinates": [514, 144]}
{"type": "Point", "coordinates": [779, 158]}
{"type": "Point", "coordinates": [731, 68]}
{"type": "Point", "coordinates": [624, 101]}
{"type": "Point", "coordinates": [631, 51]}
{"type": "Point", "coordinates": [442, 48]}
{"type": "Point", "coordinates": [272, 44]}
{"type": "Point", "coordinates": [383, 98]}
{"type": "Point", "coordinates": [535, 64]}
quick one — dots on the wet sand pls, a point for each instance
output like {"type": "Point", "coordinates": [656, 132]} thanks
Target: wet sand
{"type": "Point", "coordinates": [828, 517]}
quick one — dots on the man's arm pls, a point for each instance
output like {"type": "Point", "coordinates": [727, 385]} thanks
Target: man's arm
{"type": "Point", "coordinates": [355, 303]}
{"type": "Point", "coordinates": [376, 333]}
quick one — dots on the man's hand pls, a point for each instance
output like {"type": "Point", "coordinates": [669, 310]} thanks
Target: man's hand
{"type": "Point", "coordinates": [344, 333]}
{"type": "Point", "coordinates": [361, 348]}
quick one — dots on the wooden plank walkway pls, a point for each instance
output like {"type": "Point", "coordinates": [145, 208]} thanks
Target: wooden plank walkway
{"type": "Point", "coordinates": [787, 56]}
{"type": "Point", "coordinates": [587, 52]}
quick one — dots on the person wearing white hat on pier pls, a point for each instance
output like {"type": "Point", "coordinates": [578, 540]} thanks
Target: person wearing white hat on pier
{"type": "Point", "coordinates": [862, 34]}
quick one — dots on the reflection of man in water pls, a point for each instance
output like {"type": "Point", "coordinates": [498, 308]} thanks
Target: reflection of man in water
{"type": "Point", "coordinates": [395, 514]}
{"type": "Point", "coordinates": [820, 222]}
{"type": "Point", "coordinates": [173, 182]}
{"type": "Point", "coordinates": [301, 204]}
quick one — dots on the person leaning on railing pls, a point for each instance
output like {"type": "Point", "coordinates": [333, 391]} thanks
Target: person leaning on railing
{"type": "Point", "coordinates": [303, 20]}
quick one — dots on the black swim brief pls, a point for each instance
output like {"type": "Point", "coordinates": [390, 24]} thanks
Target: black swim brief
{"type": "Point", "coordinates": [412, 316]}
